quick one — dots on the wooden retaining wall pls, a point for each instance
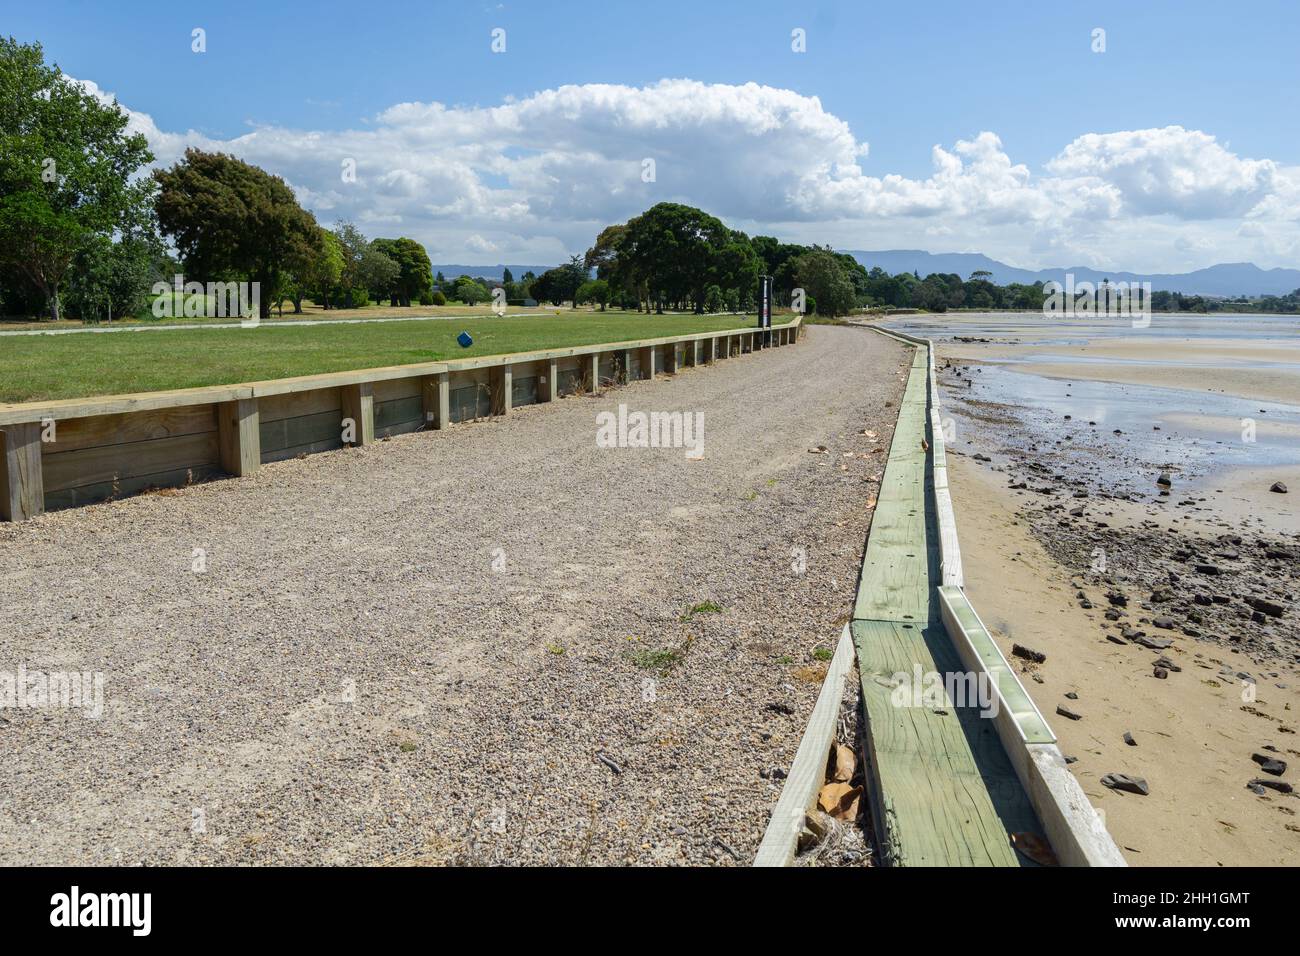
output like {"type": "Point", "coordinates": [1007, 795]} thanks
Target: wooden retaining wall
{"type": "Point", "coordinates": [63, 454]}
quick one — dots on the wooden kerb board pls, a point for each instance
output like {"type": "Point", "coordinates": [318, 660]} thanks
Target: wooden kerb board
{"type": "Point", "coordinates": [944, 792]}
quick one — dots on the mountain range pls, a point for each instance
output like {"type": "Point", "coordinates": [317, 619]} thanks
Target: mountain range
{"type": "Point", "coordinates": [1226, 279]}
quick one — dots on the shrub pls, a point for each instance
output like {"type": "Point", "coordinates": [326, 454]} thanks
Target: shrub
{"type": "Point", "coordinates": [437, 299]}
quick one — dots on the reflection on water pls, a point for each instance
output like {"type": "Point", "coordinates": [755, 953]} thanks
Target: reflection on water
{"type": "Point", "coordinates": [1077, 331]}
{"type": "Point", "coordinates": [1118, 432]}
{"type": "Point", "coordinates": [1200, 431]}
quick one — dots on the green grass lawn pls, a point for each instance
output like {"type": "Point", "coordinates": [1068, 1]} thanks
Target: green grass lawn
{"type": "Point", "coordinates": [39, 367]}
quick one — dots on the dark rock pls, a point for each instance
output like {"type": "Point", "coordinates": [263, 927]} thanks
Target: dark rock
{"type": "Point", "coordinates": [1166, 663]}
{"type": "Point", "coordinates": [1278, 487]}
{"type": "Point", "coordinates": [1066, 712]}
{"type": "Point", "coordinates": [1160, 672]}
{"type": "Point", "coordinates": [1264, 605]}
{"type": "Point", "coordinates": [1164, 623]}
{"type": "Point", "coordinates": [1281, 786]}
{"type": "Point", "coordinates": [1072, 695]}
{"type": "Point", "coordinates": [1128, 739]}
{"type": "Point", "coordinates": [1269, 764]}
{"type": "Point", "coordinates": [1155, 643]}
{"type": "Point", "coordinates": [1018, 650]}
{"type": "Point", "coordinates": [1164, 480]}
{"type": "Point", "coordinates": [1209, 569]}
{"type": "Point", "coordinates": [1117, 598]}
{"type": "Point", "coordinates": [1122, 781]}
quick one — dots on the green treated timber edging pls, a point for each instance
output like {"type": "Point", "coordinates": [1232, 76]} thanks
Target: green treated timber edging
{"type": "Point", "coordinates": [1025, 741]}
{"type": "Point", "coordinates": [943, 792]}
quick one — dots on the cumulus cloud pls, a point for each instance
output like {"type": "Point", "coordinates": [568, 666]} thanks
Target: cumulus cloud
{"type": "Point", "coordinates": [540, 175]}
{"type": "Point", "coordinates": [1174, 171]}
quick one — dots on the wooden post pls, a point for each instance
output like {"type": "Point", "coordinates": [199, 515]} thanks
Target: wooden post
{"type": "Point", "coordinates": [359, 405]}
{"type": "Point", "coordinates": [697, 350]}
{"type": "Point", "coordinates": [22, 483]}
{"type": "Point", "coordinates": [549, 389]}
{"type": "Point", "coordinates": [239, 436]}
{"type": "Point", "coordinates": [435, 396]}
{"type": "Point", "coordinates": [595, 372]}
{"type": "Point", "coordinates": [627, 366]}
{"type": "Point", "coordinates": [502, 379]}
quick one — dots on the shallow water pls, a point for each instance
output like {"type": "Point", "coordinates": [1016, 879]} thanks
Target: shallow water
{"type": "Point", "coordinates": [1252, 328]}
{"type": "Point", "coordinates": [1200, 433]}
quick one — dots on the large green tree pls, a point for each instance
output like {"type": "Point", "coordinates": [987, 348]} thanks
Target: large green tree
{"type": "Point", "coordinates": [821, 274]}
{"type": "Point", "coordinates": [415, 272]}
{"type": "Point", "coordinates": [230, 219]}
{"type": "Point", "coordinates": [671, 251]}
{"type": "Point", "coordinates": [67, 171]}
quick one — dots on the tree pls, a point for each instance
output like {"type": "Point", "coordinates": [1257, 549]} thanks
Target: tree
{"type": "Point", "coordinates": [670, 251]}
{"type": "Point", "coordinates": [822, 276]}
{"type": "Point", "coordinates": [593, 290]}
{"type": "Point", "coordinates": [320, 275]}
{"type": "Point", "coordinates": [66, 168]}
{"type": "Point", "coordinates": [111, 279]}
{"type": "Point", "coordinates": [470, 291]}
{"type": "Point", "coordinates": [506, 277]}
{"type": "Point", "coordinates": [414, 278]}
{"type": "Point", "coordinates": [228, 217]}
{"type": "Point", "coordinates": [376, 272]}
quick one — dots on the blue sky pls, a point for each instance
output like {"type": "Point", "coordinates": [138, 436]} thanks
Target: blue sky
{"type": "Point", "coordinates": [903, 78]}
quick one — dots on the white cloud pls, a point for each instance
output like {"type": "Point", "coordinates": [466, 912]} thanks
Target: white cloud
{"type": "Point", "coordinates": [540, 175]}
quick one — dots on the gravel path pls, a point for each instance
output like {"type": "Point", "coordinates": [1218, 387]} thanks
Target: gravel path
{"type": "Point", "coordinates": [466, 647]}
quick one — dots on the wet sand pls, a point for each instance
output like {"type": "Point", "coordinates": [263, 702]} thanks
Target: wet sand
{"type": "Point", "coordinates": [1194, 736]}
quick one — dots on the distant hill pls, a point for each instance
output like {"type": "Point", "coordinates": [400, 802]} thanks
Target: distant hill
{"type": "Point", "coordinates": [1226, 279]}
{"type": "Point", "coordinates": [487, 272]}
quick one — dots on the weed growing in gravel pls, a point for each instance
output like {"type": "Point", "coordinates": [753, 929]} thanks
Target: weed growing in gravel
{"type": "Point", "coordinates": [823, 653]}
{"type": "Point", "coordinates": [555, 649]}
{"type": "Point", "coordinates": [704, 607]}
{"type": "Point", "coordinates": [660, 660]}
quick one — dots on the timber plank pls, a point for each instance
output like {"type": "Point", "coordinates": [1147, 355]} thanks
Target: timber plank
{"type": "Point", "coordinates": [109, 463]}
{"type": "Point", "coordinates": [22, 472]}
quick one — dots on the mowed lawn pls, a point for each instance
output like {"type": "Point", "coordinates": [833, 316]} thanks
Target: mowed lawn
{"type": "Point", "coordinates": [39, 367]}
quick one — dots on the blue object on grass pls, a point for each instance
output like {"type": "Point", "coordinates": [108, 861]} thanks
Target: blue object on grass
{"type": "Point", "coordinates": [464, 340]}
